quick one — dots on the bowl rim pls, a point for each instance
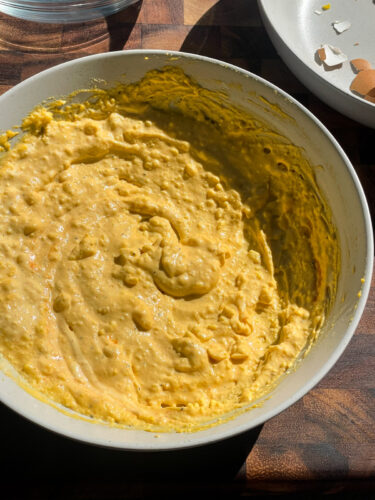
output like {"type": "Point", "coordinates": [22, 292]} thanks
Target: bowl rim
{"type": "Point", "coordinates": [346, 337]}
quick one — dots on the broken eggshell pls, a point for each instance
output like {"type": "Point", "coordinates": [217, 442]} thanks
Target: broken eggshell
{"type": "Point", "coordinates": [331, 56]}
{"type": "Point", "coordinates": [364, 83]}
{"type": "Point", "coordinates": [360, 65]}
{"type": "Point", "coordinates": [370, 98]}
{"type": "Point", "coordinates": [341, 26]}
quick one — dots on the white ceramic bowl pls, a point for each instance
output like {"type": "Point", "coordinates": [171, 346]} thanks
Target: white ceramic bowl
{"type": "Point", "coordinates": [337, 180]}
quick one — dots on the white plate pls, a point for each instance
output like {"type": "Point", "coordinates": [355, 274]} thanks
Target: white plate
{"type": "Point", "coordinates": [297, 32]}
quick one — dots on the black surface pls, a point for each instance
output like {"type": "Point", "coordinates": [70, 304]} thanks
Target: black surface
{"type": "Point", "coordinates": [40, 455]}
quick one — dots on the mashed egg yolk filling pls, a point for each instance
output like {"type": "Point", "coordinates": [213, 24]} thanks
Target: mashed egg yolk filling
{"type": "Point", "coordinates": [164, 256]}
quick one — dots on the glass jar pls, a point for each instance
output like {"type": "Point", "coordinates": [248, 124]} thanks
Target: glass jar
{"type": "Point", "coordinates": [62, 11]}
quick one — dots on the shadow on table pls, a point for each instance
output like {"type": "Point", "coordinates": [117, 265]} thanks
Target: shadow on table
{"type": "Point", "coordinates": [243, 41]}
{"type": "Point", "coordinates": [49, 458]}
{"type": "Point", "coordinates": [121, 25]}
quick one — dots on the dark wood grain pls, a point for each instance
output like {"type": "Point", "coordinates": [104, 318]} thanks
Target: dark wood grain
{"type": "Point", "coordinates": [323, 443]}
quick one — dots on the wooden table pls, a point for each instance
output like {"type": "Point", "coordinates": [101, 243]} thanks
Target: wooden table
{"type": "Point", "coordinates": [324, 442]}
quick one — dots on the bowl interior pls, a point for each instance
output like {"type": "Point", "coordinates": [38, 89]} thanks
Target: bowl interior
{"type": "Point", "coordinates": [337, 181]}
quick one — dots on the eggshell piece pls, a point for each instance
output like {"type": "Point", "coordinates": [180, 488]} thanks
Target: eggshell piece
{"type": "Point", "coordinates": [322, 54]}
{"type": "Point", "coordinates": [364, 82]}
{"type": "Point", "coordinates": [370, 97]}
{"type": "Point", "coordinates": [341, 26]}
{"type": "Point", "coordinates": [331, 56]}
{"type": "Point", "coordinates": [360, 65]}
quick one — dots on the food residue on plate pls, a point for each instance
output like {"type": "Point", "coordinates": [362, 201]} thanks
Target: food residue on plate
{"type": "Point", "coordinates": [324, 8]}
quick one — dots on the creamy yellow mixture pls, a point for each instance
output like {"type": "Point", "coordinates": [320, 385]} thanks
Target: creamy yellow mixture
{"type": "Point", "coordinates": [164, 257]}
